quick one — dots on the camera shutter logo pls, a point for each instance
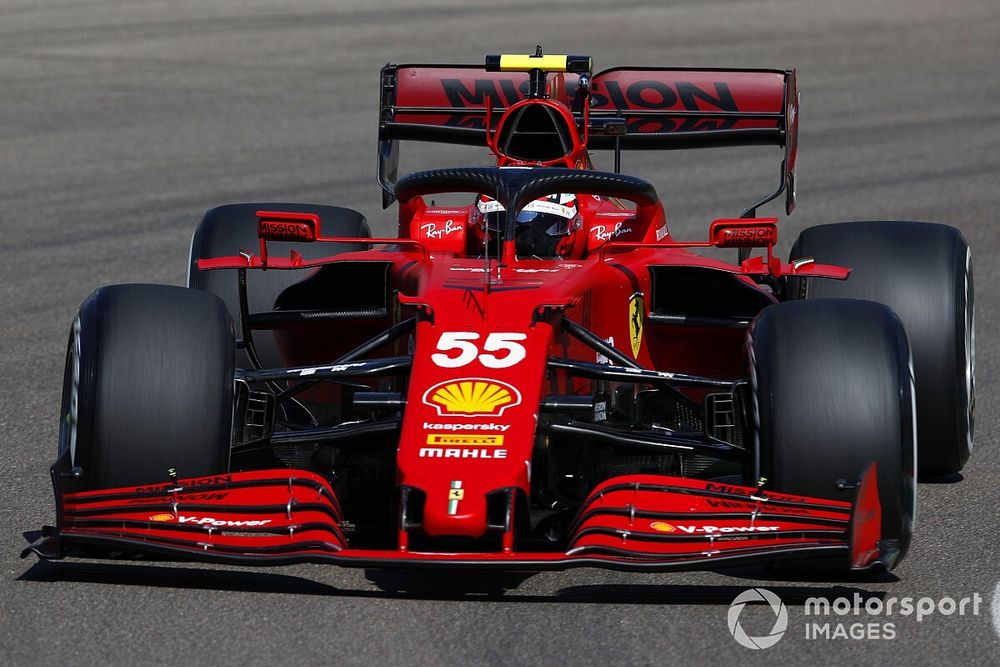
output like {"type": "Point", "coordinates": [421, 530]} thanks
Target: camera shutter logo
{"type": "Point", "coordinates": [780, 618]}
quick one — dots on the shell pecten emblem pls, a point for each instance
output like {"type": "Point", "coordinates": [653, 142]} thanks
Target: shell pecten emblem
{"type": "Point", "coordinates": [472, 397]}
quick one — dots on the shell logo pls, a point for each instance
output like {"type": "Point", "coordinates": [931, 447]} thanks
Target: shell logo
{"type": "Point", "coordinates": [472, 397]}
{"type": "Point", "coordinates": [161, 517]}
{"type": "Point", "coordinates": [662, 527]}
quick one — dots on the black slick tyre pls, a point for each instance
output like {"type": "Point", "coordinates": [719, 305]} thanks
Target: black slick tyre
{"type": "Point", "coordinates": [832, 391]}
{"type": "Point", "coordinates": [148, 386]}
{"type": "Point", "coordinates": [231, 229]}
{"type": "Point", "coordinates": [923, 271]}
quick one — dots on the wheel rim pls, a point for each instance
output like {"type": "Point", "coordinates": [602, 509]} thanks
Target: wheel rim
{"type": "Point", "coordinates": [68, 427]}
{"type": "Point", "coordinates": [970, 350]}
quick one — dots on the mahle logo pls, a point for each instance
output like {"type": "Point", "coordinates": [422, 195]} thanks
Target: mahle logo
{"type": "Point", "coordinates": [780, 618]}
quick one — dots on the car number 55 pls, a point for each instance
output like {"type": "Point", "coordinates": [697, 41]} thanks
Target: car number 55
{"type": "Point", "coordinates": [466, 344]}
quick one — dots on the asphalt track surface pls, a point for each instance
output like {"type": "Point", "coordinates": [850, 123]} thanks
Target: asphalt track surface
{"type": "Point", "coordinates": [121, 122]}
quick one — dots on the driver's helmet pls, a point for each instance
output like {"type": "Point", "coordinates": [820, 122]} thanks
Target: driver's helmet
{"type": "Point", "coordinates": [552, 215]}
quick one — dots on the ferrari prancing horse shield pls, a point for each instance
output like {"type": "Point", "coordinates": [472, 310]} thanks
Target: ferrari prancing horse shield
{"type": "Point", "coordinates": [635, 313]}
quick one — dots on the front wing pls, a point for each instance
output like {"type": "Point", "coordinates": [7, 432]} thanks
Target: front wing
{"type": "Point", "coordinates": [632, 522]}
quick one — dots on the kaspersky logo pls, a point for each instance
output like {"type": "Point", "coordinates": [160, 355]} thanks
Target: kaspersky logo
{"type": "Point", "coordinates": [472, 397]}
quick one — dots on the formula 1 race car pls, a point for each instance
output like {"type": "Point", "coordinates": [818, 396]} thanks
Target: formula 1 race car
{"type": "Point", "coordinates": [540, 377]}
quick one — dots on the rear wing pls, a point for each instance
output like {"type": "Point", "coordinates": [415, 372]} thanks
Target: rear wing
{"type": "Point", "coordinates": [629, 108]}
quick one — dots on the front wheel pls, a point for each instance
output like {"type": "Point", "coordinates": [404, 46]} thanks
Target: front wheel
{"type": "Point", "coordinates": [832, 391]}
{"type": "Point", "coordinates": [148, 386]}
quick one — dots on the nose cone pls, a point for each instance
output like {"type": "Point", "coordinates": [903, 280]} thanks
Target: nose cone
{"type": "Point", "coordinates": [472, 403]}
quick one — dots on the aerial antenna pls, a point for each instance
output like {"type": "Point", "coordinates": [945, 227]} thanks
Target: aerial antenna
{"type": "Point", "coordinates": [536, 77]}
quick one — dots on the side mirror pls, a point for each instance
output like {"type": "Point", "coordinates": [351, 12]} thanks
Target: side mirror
{"type": "Point", "coordinates": [287, 226]}
{"type": "Point", "coordinates": [744, 233]}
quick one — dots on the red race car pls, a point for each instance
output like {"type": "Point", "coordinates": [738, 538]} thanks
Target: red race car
{"type": "Point", "coordinates": [538, 377]}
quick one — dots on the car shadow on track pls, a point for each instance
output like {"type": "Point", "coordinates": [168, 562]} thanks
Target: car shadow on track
{"type": "Point", "coordinates": [953, 478]}
{"type": "Point", "coordinates": [158, 575]}
{"type": "Point", "coordinates": [432, 585]}
{"type": "Point", "coordinates": [468, 585]}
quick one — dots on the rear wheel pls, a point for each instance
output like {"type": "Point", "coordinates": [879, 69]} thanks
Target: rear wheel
{"type": "Point", "coordinates": [832, 391]}
{"type": "Point", "coordinates": [148, 386]}
{"type": "Point", "coordinates": [923, 271]}
{"type": "Point", "coordinates": [228, 230]}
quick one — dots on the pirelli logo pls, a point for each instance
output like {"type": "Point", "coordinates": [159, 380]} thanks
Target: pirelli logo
{"type": "Point", "coordinates": [463, 439]}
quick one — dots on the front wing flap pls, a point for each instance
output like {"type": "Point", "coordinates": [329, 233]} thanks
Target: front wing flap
{"type": "Point", "coordinates": [633, 522]}
{"type": "Point", "coordinates": [653, 517]}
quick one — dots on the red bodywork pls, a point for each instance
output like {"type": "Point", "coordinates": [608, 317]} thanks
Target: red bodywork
{"type": "Point", "coordinates": [485, 334]}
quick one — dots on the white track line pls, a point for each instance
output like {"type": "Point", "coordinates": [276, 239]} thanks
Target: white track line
{"type": "Point", "coordinates": [995, 607]}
